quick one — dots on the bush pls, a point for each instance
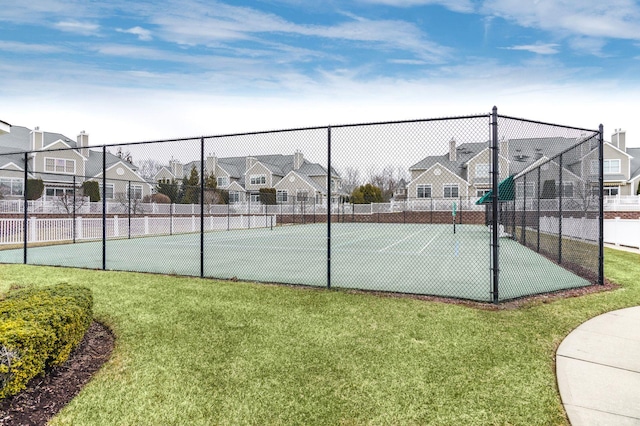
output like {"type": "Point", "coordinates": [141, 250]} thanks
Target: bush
{"type": "Point", "coordinates": [157, 198]}
{"type": "Point", "coordinates": [39, 329]}
{"type": "Point", "coordinates": [268, 196]}
{"type": "Point", "coordinates": [91, 189]}
{"type": "Point", "coordinates": [35, 188]}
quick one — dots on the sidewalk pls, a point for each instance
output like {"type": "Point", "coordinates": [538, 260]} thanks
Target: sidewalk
{"type": "Point", "coordinates": [598, 370]}
{"type": "Point", "coordinates": [623, 248]}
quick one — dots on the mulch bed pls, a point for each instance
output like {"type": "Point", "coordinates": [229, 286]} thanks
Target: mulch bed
{"type": "Point", "coordinates": [48, 394]}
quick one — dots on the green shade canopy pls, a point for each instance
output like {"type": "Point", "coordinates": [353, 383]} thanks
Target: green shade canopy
{"type": "Point", "coordinates": [506, 192]}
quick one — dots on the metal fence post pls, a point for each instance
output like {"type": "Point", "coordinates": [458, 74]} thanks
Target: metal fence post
{"type": "Point", "coordinates": [104, 207]}
{"type": "Point", "coordinates": [495, 270]}
{"type": "Point", "coordinates": [129, 208]}
{"type": "Point", "coordinates": [560, 191]}
{"type": "Point", "coordinates": [73, 215]}
{"type": "Point", "coordinates": [538, 211]}
{"type": "Point", "coordinates": [26, 208]}
{"type": "Point", "coordinates": [601, 205]}
{"type": "Point", "coordinates": [524, 211]}
{"type": "Point", "coordinates": [202, 170]}
{"type": "Point", "coordinates": [329, 207]}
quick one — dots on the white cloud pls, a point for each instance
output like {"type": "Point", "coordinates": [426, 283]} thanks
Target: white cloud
{"type": "Point", "coordinates": [211, 23]}
{"type": "Point", "coordinates": [407, 62]}
{"type": "Point", "coordinates": [19, 47]}
{"type": "Point", "coordinates": [83, 28]}
{"type": "Point", "coordinates": [618, 19]}
{"type": "Point", "coordinates": [143, 34]}
{"type": "Point", "coordinates": [464, 6]}
{"type": "Point", "coordinates": [539, 48]}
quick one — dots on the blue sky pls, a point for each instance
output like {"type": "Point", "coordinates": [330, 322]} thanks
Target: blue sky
{"type": "Point", "coordinates": [128, 71]}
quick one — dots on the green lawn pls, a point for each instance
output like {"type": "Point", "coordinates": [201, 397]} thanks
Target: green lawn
{"type": "Point", "coordinates": [203, 352]}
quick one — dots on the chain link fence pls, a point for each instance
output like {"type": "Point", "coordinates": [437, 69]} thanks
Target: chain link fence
{"type": "Point", "coordinates": [481, 207]}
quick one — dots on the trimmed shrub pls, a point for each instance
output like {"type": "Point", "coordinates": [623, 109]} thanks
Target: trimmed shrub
{"type": "Point", "coordinates": [267, 196]}
{"type": "Point", "coordinates": [39, 327]}
{"type": "Point", "coordinates": [91, 189]}
{"type": "Point", "coordinates": [35, 187]}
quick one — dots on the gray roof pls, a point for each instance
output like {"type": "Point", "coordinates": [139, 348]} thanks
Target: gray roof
{"type": "Point", "coordinates": [521, 154]}
{"type": "Point", "coordinates": [464, 153]}
{"type": "Point", "coordinates": [635, 161]}
{"type": "Point", "coordinates": [19, 140]}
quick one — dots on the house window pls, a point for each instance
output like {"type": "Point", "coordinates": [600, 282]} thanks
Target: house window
{"type": "Point", "coordinates": [255, 198]}
{"type": "Point", "coordinates": [136, 192]}
{"type": "Point", "coordinates": [282, 195]}
{"type": "Point", "coordinates": [450, 191]}
{"type": "Point", "coordinates": [234, 197]}
{"type": "Point", "coordinates": [482, 170]}
{"type": "Point", "coordinates": [58, 192]}
{"type": "Point", "coordinates": [109, 193]}
{"type": "Point", "coordinates": [302, 195]}
{"type": "Point", "coordinates": [482, 192]}
{"type": "Point", "coordinates": [520, 189]}
{"type": "Point", "coordinates": [223, 181]}
{"type": "Point", "coordinates": [258, 179]}
{"type": "Point", "coordinates": [11, 186]}
{"type": "Point", "coordinates": [611, 191]}
{"type": "Point", "coordinates": [567, 189]}
{"type": "Point", "coordinates": [611, 166]}
{"type": "Point", "coordinates": [59, 165]}
{"type": "Point", "coordinates": [424, 191]}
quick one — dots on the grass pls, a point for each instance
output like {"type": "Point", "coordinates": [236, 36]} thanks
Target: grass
{"type": "Point", "coordinates": [202, 352]}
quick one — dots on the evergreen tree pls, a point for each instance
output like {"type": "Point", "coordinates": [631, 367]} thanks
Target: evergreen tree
{"type": "Point", "coordinates": [191, 188]}
{"type": "Point", "coordinates": [367, 194]}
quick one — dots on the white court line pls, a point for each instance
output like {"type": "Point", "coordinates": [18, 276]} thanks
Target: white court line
{"type": "Point", "coordinates": [402, 240]}
{"type": "Point", "coordinates": [428, 244]}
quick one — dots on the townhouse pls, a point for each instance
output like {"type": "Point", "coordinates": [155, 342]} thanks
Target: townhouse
{"type": "Point", "coordinates": [63, 164]}
{"type": "Point", "coordinates": [294, 178]}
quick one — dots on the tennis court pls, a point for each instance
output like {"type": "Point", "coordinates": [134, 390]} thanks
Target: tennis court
{"type": "Point", "coordinates": [407, 258]}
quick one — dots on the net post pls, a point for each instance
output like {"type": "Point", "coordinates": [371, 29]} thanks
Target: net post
{"type": "Point", "coordinates": [494, 220]}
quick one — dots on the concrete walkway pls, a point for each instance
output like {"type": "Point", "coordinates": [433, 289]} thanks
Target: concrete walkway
{"type": "Point", "coordinates": [598, 370]}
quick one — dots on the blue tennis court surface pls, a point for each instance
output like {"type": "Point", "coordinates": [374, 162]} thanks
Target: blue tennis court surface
{"type": "Point", "coordinates": [424, 259]}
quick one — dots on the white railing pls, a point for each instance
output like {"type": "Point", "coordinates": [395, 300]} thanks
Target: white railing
{"type": "Point", "coordinates": [622, 203]}
{"type": "Point", "coordinates": [63, 229]}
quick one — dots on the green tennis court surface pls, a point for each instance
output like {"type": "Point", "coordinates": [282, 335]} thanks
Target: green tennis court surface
{"type": "Point", "coordinates": [408, 258]}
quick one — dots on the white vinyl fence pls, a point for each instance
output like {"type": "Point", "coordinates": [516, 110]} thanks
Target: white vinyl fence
{"type": "Point", "coordinates": [622, 232]}
{"type": "Point", "coordinates": [62, 229]}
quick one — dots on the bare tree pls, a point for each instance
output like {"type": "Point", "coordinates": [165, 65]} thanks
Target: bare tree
{"type": "Point", "coordinates": [350, 177]}
{"type": "Point", "coordinates": [388, 178]}
{"type": "Point", "coordinates": [71, 201]}
{"type": "Point", "coordinates": [148, 168]}
{"type": "Point", "coordinates": [133, 205]}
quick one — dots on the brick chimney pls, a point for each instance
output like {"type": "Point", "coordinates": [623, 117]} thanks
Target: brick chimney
{"type": "Point", "coordinates": [452, 149]}
{"type": "Point", "coordinates": [83, 143]}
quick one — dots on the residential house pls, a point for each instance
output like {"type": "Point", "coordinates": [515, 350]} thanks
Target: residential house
{"type": "Point", "coordinates": [62, 162]}
{"type": "Point", "coordinates": [621, 166]}
{"type": "Point", "coordinates": [464, 170]}
{"type": "Point", "coordinates": [294, 177]}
